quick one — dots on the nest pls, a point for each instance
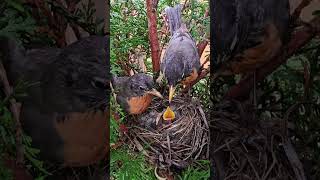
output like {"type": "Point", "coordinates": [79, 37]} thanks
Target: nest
{"type": "Point", "coordinates": [172, 144]}
{"type": "Point", "coordinates": [250, 147]}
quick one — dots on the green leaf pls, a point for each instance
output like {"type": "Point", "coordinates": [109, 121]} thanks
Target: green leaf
{"type": "Point", "coordinates": [16, 5]}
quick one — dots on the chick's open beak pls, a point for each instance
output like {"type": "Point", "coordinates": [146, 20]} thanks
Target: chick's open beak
{"type": "Point", "coordinates": [155, 93]}
{"type": "Point", "coordinates": [168, 115]}
{"type": "Point", "coordinates": [171, 92]}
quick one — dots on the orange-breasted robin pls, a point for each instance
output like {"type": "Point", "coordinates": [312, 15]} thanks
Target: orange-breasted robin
{"type": "Point", "coordinates": [247, 33]}
{"type": "Point", "coordinates": [181, 61]}
{"type": "Point", "coordinates": [65, 111]}
{"type": "Point", "coordinates": [134, 93]}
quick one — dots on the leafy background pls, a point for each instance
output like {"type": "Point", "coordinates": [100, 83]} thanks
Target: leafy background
{"type": "Point", "coordinates": [129, 32]}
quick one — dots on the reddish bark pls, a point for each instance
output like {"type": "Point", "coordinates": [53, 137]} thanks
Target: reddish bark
{"type": "Point", "coordinates": [18, 171]}
{"type": "Point", "coordinates": [56, 23]}
{"type": "Point", "coordinates": [298, 10]}
{"type": "Point", "coordinates": [201, 46]}
{"type": "Point", "coordinates": [15, 109]}
{"type": "Point", "coordinates": [153, 36]}
{"type": "Point", "coordinates": [299, 38]}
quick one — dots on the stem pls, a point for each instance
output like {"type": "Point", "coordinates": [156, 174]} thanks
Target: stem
{"type": "Point", "coordinates": [153, 36]}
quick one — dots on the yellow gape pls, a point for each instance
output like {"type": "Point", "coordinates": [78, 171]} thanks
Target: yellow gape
{"type": "Point", "coordinates": [168, 115]}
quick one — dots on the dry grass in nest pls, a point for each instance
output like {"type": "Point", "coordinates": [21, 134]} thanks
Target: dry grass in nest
{"type": "Point", "coordinates": [172, 144]}
{"type": "Point", "coordinates": [249, 147]}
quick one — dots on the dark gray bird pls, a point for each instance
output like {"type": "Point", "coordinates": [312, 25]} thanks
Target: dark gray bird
{"type": "Point", "coordinates": [66, 109]}
{"type": "Point", "coordinates": [247, 33]}
{"type": "Point", "coordinates": [135, 93]}
{"type": "Point", "coordinates": [181, 61]}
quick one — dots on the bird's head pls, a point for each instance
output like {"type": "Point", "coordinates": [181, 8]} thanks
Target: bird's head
{"type": "Point", "coordinates": [141, 84]}
{"type": "Point", "coordinates": [81, 73]}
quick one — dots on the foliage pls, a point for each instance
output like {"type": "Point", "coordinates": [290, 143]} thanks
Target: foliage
{"type": "Point", "coordinates": [129, 29]}
{"type": "Point", "coordinates": [128, 26]}
{"type": "Point", "coordinates": [7, 134]}
{"type": "Point", "coordinates": [114, 123]}
{"type": "Point", "coordinates": [128, 165]}
{"type": "Point", "coordinates": [85, 14]}
{"type": "Point", "coordinates": [129, 35]}
{"type": "Point", "coordinates": [297, 81]}
{"type": "Point", "coordinates": [5, 173]}
{"type": "Point", "coordinates": [199, 172]}
{"type": "Point", "coordinates": [17, 22]}
{"type": "Point", "coordinates": [125, 164]}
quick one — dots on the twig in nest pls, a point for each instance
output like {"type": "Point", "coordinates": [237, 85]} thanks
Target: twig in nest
{"type": "Point", "coordinates": [178, 143]}
{"type": "Point", "coordinates": [294, 160]}
{"type": "Point", "coordinates": [16, 114]}
{"type": "Point", "coordinates": [252, 150]}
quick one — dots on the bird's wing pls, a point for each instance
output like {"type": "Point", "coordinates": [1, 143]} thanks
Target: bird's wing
{"type": "Point", "coordinates": [240, 25]}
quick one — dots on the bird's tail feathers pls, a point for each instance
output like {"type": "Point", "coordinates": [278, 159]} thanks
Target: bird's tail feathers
{"type": "Point", "coordinates": [174, 18]}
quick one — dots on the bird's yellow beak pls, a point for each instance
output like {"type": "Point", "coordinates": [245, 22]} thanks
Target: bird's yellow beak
{"type": "Point", "coordinates": [155, 93]}
{"type": "Point", "coordinates": [168, 115]}
{"type": "Point", "coordinates": [171, 92]}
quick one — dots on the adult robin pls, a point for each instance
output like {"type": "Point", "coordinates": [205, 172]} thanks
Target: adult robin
{"type": "Point", "coordinates": [247, 34]}
{"type": "Point", "coordinates": [181, 61]}
{"type": "Point", "coordinates": [134, 93]}
{"type": "Point", "coordinates": [65, 111]}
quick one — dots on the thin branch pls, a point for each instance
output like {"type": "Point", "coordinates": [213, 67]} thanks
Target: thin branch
{"type": "Point", "coordinates": [56, 24]}
{"type": "Point", "coordinates": [72, 4]}
{"type": "Point", "coordinates": [202, 46]}
{"type": "Point", "coordinates": [16, 114]}
{"type": "Point", "coordinates": [153, 36]}
{"type": "Point", "coordinates": [296, 14]}
{"type": "Point", "coordinates": [299, 38]}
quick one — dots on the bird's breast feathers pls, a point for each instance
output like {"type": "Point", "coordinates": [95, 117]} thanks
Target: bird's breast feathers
{"type": "Point", "coordinates": [138, 105]}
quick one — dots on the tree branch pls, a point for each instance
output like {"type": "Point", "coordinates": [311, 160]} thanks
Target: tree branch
{"type": "Point", "coordinates": [299, 38]}
{"type": "Point", "coordinates": [201, 46]}
{"type": "Point", "coordinates": [153, 36]}
{"type": "Point", "coordinates": [297, 11]}
{"type": "Point", "coordinates": [15, 109]}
